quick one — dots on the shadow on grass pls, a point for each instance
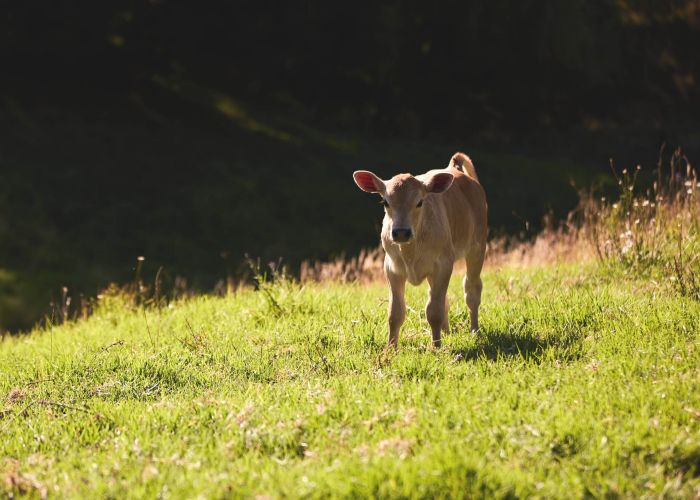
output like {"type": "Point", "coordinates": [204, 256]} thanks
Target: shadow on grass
{"type": "Point", "coordinates": [492, 345]}
{"type": "Point", "coordinates": [687, 461]}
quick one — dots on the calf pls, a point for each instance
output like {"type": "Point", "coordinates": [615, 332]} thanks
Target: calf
{"type": "Point", "coordinates": [430, 221]}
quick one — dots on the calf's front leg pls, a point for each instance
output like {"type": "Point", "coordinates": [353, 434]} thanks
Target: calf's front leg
{"type": "Point", "coordinates": [397, 305]}
{"type": "Point", "coordinates": [436, 308]}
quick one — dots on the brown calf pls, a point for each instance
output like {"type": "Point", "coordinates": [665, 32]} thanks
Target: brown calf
{"type": "Point", "coordinates": [430, 221]}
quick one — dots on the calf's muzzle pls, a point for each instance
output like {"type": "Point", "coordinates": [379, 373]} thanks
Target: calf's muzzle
{"type": "Point", "coordinates": [401, 235]}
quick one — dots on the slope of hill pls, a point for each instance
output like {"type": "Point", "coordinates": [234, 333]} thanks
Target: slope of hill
{"type": "Point", "coordinates": [582, 382]}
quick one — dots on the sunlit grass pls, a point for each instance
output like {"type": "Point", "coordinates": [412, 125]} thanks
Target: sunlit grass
{"type": "Point", "coordinates": [581, 383]}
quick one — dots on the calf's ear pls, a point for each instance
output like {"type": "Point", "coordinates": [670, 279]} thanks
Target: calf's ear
{"type": "Point", "coordinates": [368, 182]}
{"type": "Point", "coordinates": [439, 183]}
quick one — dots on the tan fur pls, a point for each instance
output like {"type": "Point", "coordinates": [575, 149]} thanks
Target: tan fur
{"type": "Point", "coordinates": [450, 225]}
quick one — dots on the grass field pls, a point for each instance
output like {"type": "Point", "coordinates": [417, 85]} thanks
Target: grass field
{"type": "Point", "coordinates": [582, 383]}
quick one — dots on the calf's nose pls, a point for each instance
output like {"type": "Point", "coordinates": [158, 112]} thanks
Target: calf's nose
{"type": "Point", "coordinates": [401, 235]}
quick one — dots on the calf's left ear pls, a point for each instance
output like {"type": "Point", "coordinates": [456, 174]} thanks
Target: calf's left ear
{"type": "Point", "coordinates": [439, 183]}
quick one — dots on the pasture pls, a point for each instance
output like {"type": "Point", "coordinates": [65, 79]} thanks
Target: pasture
{"type": "Point", "coordinates": [192, 297]}
{"type": "Point", "coordinates": [582, 382]}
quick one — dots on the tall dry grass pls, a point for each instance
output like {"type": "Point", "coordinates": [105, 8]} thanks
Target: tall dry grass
{"type": "Point", "coordinates": [366, 267]}
{"type": "Point", "coordinates": [555, 243]}
{"type": "Point", "coordinates": [654, 231]}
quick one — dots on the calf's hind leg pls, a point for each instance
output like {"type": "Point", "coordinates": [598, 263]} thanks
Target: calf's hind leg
{"type": "Point", "coordinates": [472, 285]}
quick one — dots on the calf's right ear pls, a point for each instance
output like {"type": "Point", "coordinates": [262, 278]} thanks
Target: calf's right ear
{"type": "Point", "coordinates": [368, 182]}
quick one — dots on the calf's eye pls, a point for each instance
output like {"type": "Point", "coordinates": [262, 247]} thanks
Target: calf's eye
{"type": "Point", "coordinates": [420, 204]}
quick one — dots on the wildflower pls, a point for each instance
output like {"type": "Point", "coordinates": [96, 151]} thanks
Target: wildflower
{"type": "Point", "coordinates": [688, 183]}
{"type": "Point", "coordinates": [645, 203]}
{"type": "Point", "coordinates": [628, 241]}
{"type": "Point", "coordinates": [689, 191]}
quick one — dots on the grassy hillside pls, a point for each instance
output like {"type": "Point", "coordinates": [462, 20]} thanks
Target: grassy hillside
{"type": "Point", "coordinates": [583, 382]}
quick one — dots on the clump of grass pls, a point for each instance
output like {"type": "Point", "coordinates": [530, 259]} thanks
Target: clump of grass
{"type": "Point", "coordinates": [654, 231]}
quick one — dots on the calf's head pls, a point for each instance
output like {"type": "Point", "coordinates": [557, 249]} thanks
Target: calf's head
{"type": "Point", "coordinates": [402, 197]}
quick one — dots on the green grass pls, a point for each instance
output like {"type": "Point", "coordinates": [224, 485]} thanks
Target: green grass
{"type": "Point", "coordinates": [581, 384]}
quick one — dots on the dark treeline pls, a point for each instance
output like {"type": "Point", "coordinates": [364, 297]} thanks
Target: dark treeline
{"type": "Point", "coordinates": [195, 132]}
{"type": "Point", "coordinates": [411, 68]}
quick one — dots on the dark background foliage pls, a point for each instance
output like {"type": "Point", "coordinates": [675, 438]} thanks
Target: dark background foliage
{"type": "Point", "coordinates": [196, 132]}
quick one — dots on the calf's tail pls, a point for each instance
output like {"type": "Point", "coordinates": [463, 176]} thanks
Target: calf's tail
{"type": "Point", "coordinates": [462, 162]}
